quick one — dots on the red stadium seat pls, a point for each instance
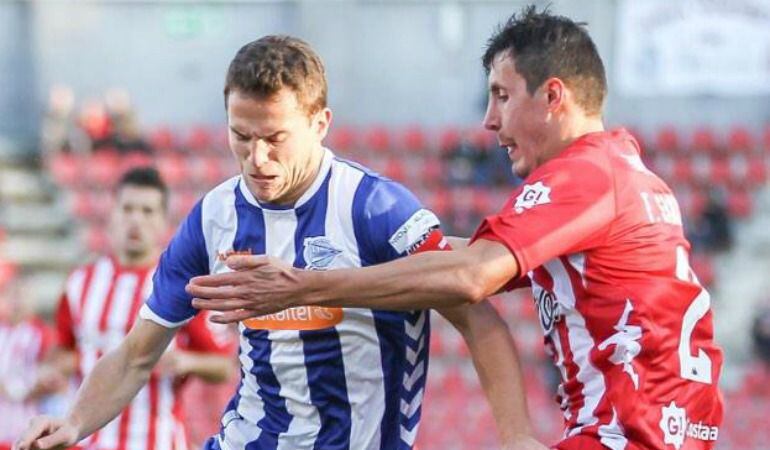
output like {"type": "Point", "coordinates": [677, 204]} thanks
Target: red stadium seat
{"type": "Point", "coordinates": [199, 139]}
{"type": "Point", "coordinates": [205, 171]}
{"type": "Point", "coordinates": [704, 141]}
{"type": "Point", "coordinates": [103, 169]}
{"type": "Point", "coordinates": [173, 169]}
{"type": "Point", "coordinates": [378, 139]}
{"type": "Point", "coordinates": [449, 139]}
{"type": "Point", "coordinates": [96, 239]}
{"type": "Point", "coordinates": [414, 139]}
{"type": "Point", "coordinates": [766, 140]}
{"type": "Point", "coordinates": [756, 171]}
{"type": "Point", "coordinates": [683, 170]}
{"type": "Point", "coordinates": [134, 160]}
{"type": "Point", "coordinates": [720, 170]}
{"type": "Point", "coordinates": [740, 140]}
{"type": "Point", "coordinates": [162, 139]}
{"type": "Point", "coordinates": [667, 140]}
{"type": "Point", "coordinates": [343, 139]}
{"type": "Point", "coordinates": [432, 171]}
{"type": "Point", "coordinates": [481, 138]}
{"type": "Point", "coordinates": [395, 169]}
{"type": "Point", "coordinates": [739, 203]}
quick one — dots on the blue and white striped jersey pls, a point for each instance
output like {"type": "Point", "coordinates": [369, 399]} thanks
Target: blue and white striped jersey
{"type": "Point", "coordinates": [311, 377]}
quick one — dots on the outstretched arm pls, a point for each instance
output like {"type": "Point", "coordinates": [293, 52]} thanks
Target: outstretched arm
{"type": "Point", "coordinates": [262, 285]}
{"type": "Point", "coordinates": [497, 364]}
{"type": "Point", "coordinates": [115, 380]}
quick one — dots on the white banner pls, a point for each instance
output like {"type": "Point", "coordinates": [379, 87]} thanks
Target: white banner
{"type": "Point", "coordinates": [693, 47]}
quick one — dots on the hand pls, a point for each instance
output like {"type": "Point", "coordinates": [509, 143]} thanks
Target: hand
{"type": "Point", "coordinates": [47, 433]}
{"type": "Point", "coordinates": [175, 363]}
{"type": "Point", "coordinates": [524, 443]}
{"type": "Point", "coordinates": [257, 286]}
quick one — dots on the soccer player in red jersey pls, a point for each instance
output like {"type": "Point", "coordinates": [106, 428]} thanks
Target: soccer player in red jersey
{"type": "Point", "coordinates": [596, 235]}
{"type": "Point", "coordinates": [100, 303]}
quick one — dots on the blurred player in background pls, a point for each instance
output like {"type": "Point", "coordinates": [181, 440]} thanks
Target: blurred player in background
{"type": "Point", "coordinates": [597, 236]}
{"type": "Point", "coordinates": [100, 304]}
{"type": "Point", "coordinates": [24, 343]}
{"type": "Point", "coordinates": [313, 378]}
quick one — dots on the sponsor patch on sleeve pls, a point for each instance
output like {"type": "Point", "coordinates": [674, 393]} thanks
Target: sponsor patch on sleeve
{"type": "Point", "coordinates": [531, 196]}
{"type": "Point", "coordinates": [414, 231]}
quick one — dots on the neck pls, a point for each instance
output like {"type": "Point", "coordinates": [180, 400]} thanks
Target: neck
{"type": "Point", "coordinates": [574, 128]}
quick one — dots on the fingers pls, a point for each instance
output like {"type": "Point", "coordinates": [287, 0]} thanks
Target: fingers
{"type": "Point", "coordinates": [219, 304]}
{"type": "Point", "coordinates": [234, 316]}
{"type": "Point", "coordinates": [60, 438]}
{"type": "Point", "coordinates": [242, 262]}
{"type": "Point", "coordinates": [216, 280]}
{"type": "Point", "coordinates": [38, 426]}
{"type": "Point", "coordinates": [213, 292]}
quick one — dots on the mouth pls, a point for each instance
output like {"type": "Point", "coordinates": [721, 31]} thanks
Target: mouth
{"type": "Point", "coordinates": [263, 178]}
{"type": "Point", "coordinates": [510, 147]}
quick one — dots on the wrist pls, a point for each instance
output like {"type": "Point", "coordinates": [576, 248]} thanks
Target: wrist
{"type": "Point", "coordinates": [315, 282]}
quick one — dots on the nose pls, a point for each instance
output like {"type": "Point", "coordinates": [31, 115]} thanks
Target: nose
{"type": "Point", "coordinates": [491, 118]}
{"type": "Point", "coordinates": [259, 153]}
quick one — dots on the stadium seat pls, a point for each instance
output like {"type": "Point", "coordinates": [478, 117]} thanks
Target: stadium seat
{"type": "Point", "coordinates": [704, 141]}
{"type": "Point", "coordinates": [481, 139]}
{"type": "Point", "coordinates": [720, 170]}
{"type": "Point", "coordinates": [684, 170]}
{"type": "Point", "coordinates": [173, 168]}
{"type": "Point", "coordinates": [96, 239]}
{"type": "Point", "coordinates": [414, 140]}
{"type": "Point", "coordinates": [740, 140]}
{"type": "Point", "coordinates": [103, 169]}
{"type": "Point", "coordinates": [395, 169]}
{"type": "Point", "coordinates": [199, 139]}
{"type": "Point", "coordinates": [343, 139]}
{"type": "Point", "coordinates": [378, 139]}
{"type": "Point", "coordinates": [134, 160]}
{"type": "Point", "coordinates": [739, 203]}
{"type": "Point", "coordinates": [449, 139]}
{"type": "Point", "coordinates": [667, 140]}
{"type": "Point", "coordinates": [162, 139]}
{"type": "Point", "coordinates": [205, 171]}
{"type": "Point", "coordinates": [756, 171]}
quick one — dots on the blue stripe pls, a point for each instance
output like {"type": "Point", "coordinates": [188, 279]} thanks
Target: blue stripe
{"type": "Point", "coordinates": [390, 331]}
{"type": "Point", "coordinates": [322, 348]}
{"type": "Point", "coordinates": [250, 235]}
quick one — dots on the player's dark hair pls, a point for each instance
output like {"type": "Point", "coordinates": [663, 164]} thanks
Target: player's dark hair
{"type": "Point", "coordinates": [545, 45]}
{"type": "Point", "coordinates": [146, 177]}
{"type": "Point", "coordinates": [263, 67]}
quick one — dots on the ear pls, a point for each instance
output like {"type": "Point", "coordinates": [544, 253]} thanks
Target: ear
{"type": "Point", "coordinates": [555, 92]}
{"type": "Point", "coordinates": [323, 120]}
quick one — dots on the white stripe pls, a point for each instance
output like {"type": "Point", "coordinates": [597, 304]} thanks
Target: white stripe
{"type": "Point", "coordinates": [240, 428]}
{"type": "Point", "coordinates": [359, 342]}
{"type": "Point", "coordinates": [88, 334]}
{"type": "Point", "coordinates": [611, 435]}
{"type": "Point", "coordinates": [164, 417]}
{"type": "Point", "coordinates": [219, 222]}
{"type": "Point", "coordinates": [581, 344]}
{"type": "Point", "coordinates": [74, 292]}
{"type": "Point", "coordinates": [108, 436]}
{"type": "Point", "coordinates": [122, 301]}
{"type": "Point", "coordinates": [148, 314]}
{"type": "Point", "coordinates": [287, 355]}
{"type": "Point", "coordinates": [139, 425]}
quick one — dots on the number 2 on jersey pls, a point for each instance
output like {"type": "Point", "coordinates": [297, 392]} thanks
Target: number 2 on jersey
{"type": "Point", "coordinates": [695, 368]}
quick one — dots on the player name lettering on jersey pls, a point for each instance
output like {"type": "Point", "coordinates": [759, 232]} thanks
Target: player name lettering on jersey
{"type": "Point", "coordinates": [662, 208]}
{"type": "Point", "coordinates": [299, 318]}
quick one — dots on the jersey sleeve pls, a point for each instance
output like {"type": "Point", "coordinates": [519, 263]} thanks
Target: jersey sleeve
{"type": "Point", "coordinates": [64, 324]}
{"type": "Point", "coordinates": [186, 257]}
{"type": "Point", "coordinates": [202, 335]}
{"type": "Point", "coordinates": [562, 209]}
{"type": "Point", "coordinates": [389, 222]}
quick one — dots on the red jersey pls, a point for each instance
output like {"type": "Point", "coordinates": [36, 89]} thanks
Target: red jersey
{"type": "Point", "coordinates": [628, 325]}
{"type": "Point", "coordinates": [22, 346]}
{"type": "Point", "coordinates": [99, 306]}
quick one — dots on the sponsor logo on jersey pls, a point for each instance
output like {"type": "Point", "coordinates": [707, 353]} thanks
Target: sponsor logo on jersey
{"type": "Point", "coordinates": [676, 427]}
{"type": "Point", "coordinates": [299, 318]}
{"type": "Point", "coordinates": [319, 253]}
{"type": "Point", "coordinates": [532, 195]}
{"type": "Point", "coordinates": [414, 231]}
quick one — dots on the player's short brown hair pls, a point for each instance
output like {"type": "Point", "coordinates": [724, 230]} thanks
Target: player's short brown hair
{"type": "Point", "coordinates": [545, 45]}
{"type": "Point", "coordinates": [263, 67]}
{"type": "Point", "coordinates": [145, 177]}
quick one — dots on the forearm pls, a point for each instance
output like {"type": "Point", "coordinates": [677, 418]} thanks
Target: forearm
{"type": "Point", "coordinates": [111, 385]}
{"type": "Point", "coordinates": [425, 280]}
{"type": "Point", "coordinates": [497, 364]}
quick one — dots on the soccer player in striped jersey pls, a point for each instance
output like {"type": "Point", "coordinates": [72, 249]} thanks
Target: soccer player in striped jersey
{"type": "Point", "coordinates": [100, 304]}
{"type": "Point", "coordinates": [312, 378]}
{"type": "Point", "coordinates": [595, 233]}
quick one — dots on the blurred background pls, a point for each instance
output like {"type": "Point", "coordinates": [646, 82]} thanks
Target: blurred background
{"type": "Point", "coordinates": [91, 88]}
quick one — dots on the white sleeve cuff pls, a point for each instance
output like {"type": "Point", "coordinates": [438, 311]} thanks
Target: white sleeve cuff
{"type": "Point", "coordinates": [148, 314]}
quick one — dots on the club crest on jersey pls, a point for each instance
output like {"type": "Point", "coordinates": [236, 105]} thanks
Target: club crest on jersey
{"type": "Point", "coordinates": [531, 196]}
{"type": "Point", "coordinates": [548, 310]}
{"type": "Point", "coordinates": [319, 252]}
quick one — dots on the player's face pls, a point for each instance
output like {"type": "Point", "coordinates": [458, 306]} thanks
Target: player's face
{"type": "Point", "coordinates": [277, 144]}
{"type": "Point", "coordinates": [138, 222]}
{"type": "Point", "coordinates": [520, 119]}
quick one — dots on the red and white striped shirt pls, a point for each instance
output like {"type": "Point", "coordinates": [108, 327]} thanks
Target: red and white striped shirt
{"type": "Point", "coordinates": [626, 321]}
{"type": "Point", "coordinates": [99, 306]}
{"type": "Point", "coordinates": [22, 345]}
